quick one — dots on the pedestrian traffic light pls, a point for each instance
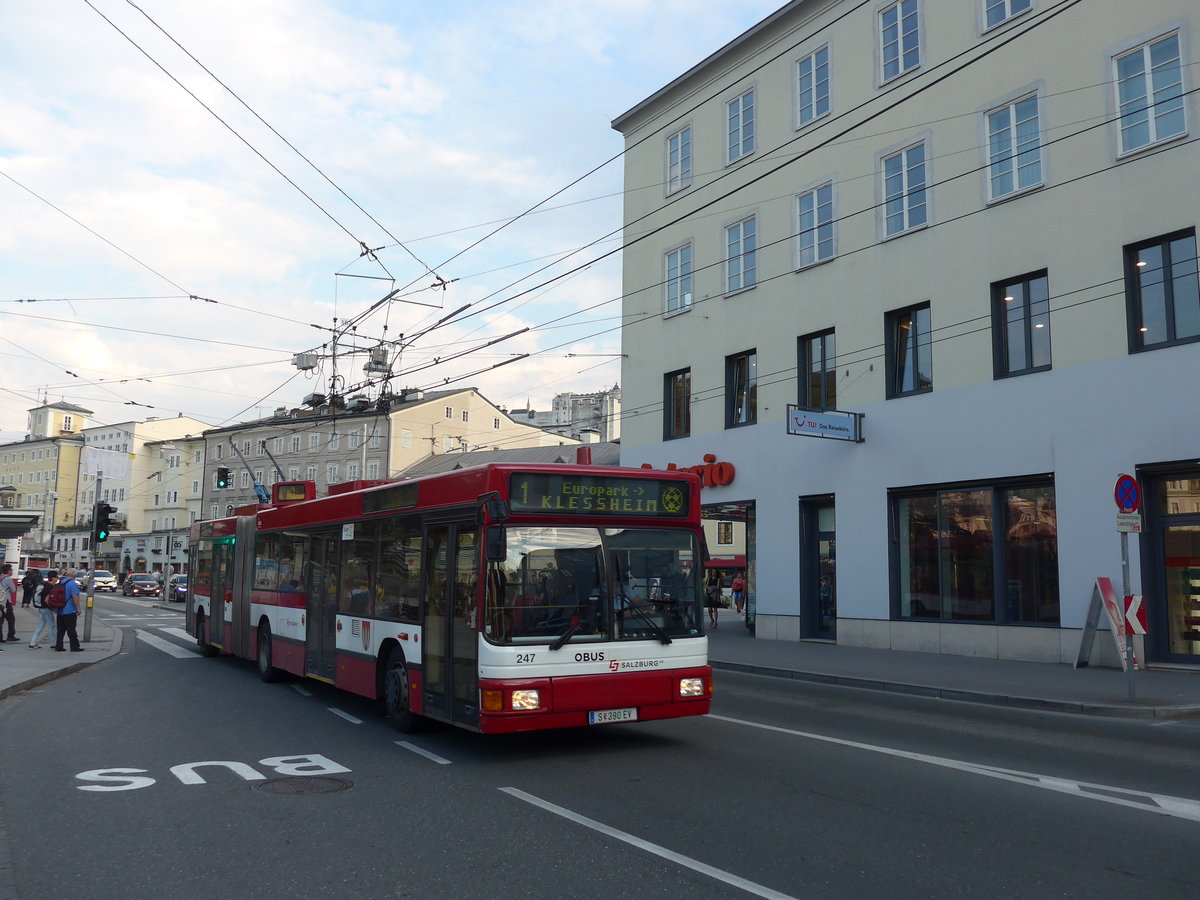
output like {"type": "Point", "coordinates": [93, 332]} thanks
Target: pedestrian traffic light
{"type": "Point", "coordinates": [223, 478]}
{"type": "Point", "coordinates": [103, 522]}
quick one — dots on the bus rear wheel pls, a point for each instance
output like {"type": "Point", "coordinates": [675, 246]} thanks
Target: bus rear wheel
{"type": "Point", "coordinates": [266, 671]}
{"type": "Point", "coordinates": [396, 697]}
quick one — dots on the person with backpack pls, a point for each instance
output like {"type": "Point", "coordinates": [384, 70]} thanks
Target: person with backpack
{"type": "Point", "coordinates": [47, 620]}
{"type": "Point", "coordinates": [30, 584]}
{"type": "Point", "coordinates": [8, 600]}
{"type": "Point", "coordinates": [66, 593]}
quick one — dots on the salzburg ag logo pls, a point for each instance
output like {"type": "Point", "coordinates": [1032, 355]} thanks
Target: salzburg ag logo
{"type": "Point", "coordinates": [625, 665]}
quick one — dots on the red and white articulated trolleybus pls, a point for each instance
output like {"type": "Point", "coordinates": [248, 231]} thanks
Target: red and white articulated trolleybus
{"type": "Point", "coordinates": [500, 598]}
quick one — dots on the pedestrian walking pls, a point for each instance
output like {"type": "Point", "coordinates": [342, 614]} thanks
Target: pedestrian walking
{"type": "Point", "coordinates": [29, 585]}
{"type": "Point", "coordinates": [8, 598]}
{"type": "Point", "coordinates": [47, 620]}
{"type": "Point", "coordinates": [712, 594]}
{"type": "Point", "coordinates": [739, 591]}
{"type": "Point", "coordinates": [69, 613]}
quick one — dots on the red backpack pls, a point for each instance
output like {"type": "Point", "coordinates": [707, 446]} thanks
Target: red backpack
{"type": "Point", "coordinates": [56, 597]}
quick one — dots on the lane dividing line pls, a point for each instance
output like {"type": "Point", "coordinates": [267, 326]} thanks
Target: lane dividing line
{"type": "Point", "coordinates": [422, 752]}
{"type": "Point", "coordinates": [687, 862]}
{"type": "Point", "coordinates": [301, 691]}
{"type": "Point", "coordinates": [179, 633]}
{"type": "Point", "coordinates": [1179, 807]}
{"type": "Point", "coordinates": [168, 647]}
{"type": "Point", "coordinates": [349, 718]}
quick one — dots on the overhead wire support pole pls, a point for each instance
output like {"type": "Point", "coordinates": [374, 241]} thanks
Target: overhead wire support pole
{"type": "Point", "coordinates": [259, 491]}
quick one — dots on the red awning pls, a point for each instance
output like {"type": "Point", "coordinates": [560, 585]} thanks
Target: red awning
{"type": "Point", "coordinates": [726, 562]}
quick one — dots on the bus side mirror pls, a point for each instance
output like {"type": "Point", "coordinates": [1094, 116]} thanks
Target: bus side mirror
{"type": "Point", "coordinates": [497, 509]}
{"type": "Point", "coordinates": [496, 543]}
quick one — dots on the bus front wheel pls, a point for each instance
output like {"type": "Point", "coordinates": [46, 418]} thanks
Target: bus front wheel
{"type": "Point", "coordinates": [396, 697]}
{"type": "Point", "coordinates": [206, 649]}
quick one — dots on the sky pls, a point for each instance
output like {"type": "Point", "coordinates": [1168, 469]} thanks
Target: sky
{"type": "Point", "coordinates": [164, 251]}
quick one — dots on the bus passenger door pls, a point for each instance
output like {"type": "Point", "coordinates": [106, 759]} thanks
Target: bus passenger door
{"type": "Point", "coordinates": [320, 583]}
{"type": "Point", "coordinates": [451, 616]}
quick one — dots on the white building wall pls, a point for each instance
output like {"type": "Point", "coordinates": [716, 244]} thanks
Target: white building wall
{"type": "Point", "coordinates": [1101, 410]}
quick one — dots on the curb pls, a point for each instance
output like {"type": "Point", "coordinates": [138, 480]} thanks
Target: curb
{"type": "Point", "coordinates": [115, 644]}
{"type": "Point", "coordinates": [1076, 707]}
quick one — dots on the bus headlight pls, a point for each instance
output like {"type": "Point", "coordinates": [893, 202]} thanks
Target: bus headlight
{"type": "Point", "coordinates": [691, 687]}
{"type": "Point", "coordinates": [527, 698]}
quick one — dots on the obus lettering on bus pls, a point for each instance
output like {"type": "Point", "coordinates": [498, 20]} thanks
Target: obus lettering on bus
{"type": "Point", "coordinates": [590, 656]}
{"type": "Point", "coordinates": [133, 779]}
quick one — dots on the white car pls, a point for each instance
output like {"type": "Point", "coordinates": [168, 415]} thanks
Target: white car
{"type": "Point", "coordinates": [103, 580]}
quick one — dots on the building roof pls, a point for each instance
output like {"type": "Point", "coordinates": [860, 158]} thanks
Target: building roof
{"type": "Point", "coordinates": [63, 406]}
{"type": "Point", "coordinates": [603, 454]}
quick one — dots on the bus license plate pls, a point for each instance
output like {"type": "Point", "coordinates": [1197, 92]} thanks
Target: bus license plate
{"type": "Point", "coordinates": [612, 715]}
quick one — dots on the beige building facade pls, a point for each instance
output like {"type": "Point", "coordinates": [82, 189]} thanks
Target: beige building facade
{"type": "Point", "coordinates": [923, 274]}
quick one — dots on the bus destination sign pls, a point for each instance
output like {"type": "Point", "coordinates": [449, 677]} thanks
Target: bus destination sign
{"type": "Point", "coordinates": [597, 495]}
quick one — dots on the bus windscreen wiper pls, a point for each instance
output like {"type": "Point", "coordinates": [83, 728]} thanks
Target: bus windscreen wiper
{"type": "Point", "coordinates": [628, 604]}
{"type": "Point", "coordinates": [564, 636]}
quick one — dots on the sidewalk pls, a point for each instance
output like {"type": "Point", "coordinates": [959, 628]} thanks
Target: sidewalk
{"type": "Point", "coordinates": [22, 668]}
{"type": "Point", "coordinates": [1160, 693]}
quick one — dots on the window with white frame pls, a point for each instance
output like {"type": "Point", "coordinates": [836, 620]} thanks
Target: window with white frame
{"type": "Point", "coordinates": [335, 441]}
{"type": "Point", "coordinates": [261, 447]}
{"type": "Point", "coordinates": [1014, 148]}
{"type": "Point", "coordinates": [406, 438]}
{"type": "Point", "coordinates": [812, 86]}
{"type": "Point", "coordinates": [331, 474]}
{"type": "Point", "coordinates": [904, 205]}
{"type": "Point", "coordinates": [899, 38]}
{"type": "Point", "coordinates": [311, 473]}
{"type": "Point", "coordinates": [997, 11]}
{"type": "Point", "coordinates": [679, 160]}
{"type": "Point", "coordinates": [373, 470]}
{"type": "Point", "coordinates": [214, 511]}
{"type": "Point", "coordinates": [245, 480]}
{"type": "Point", "coordinates": [1149, 85]}
{"type": "Point", "coordinates": [449, 412]}
{"type": "Point", "coordinates": [278, 444]}
{"type": "Point", "coordinates": [195, 487]}
{"type": "Point", "coordinates": [678, 282]}
{"type": "Point", "coordinates": [293, 473]}
{"type": "Point", "coordinates": [353, 439]}
{"type": "Point", "coordinates": [741, 255]}
{"type": "Point", "coordinates": [466, 415]}
{"type": "Point", "coordinates": [314, 442]}
{"type": "Point", "coordinates": [739, 117]}
{"type": "Point", "coordinates": [296, 443]}
{"type": "Point", "coordinates": [375, 440]}
{"type": "Point", "coordinates": [496, 422]}
{"type": "Point", "coordinates": [352, 471]}
{"type": "Point", "coordinates": [814, 225]}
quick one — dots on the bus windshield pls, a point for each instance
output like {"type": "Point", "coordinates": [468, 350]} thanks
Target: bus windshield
{"type": "Point", "coordinates": [594, 584]}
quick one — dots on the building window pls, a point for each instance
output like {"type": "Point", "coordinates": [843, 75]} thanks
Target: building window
{"type": "Point", "coordinates": [278, 443]}
{"type": "Point", "coordinates": [314, 442]}
{"type": "Point", "coordinates": [1021, 325]}
{"type": "Point", "coordinates": [295, 444]}
{"type": "Point", "coordinates": [1014, 148]}
{"type": "Point", "coordinates": [1150, 93]}
{"type": "Point", "coordinates": [373, 471]}
{"type": "Point", "coordinates": [899, 38]}
{"type": "Point", "coordinates": [909, 353]}
{"type": "Point", "coordinates": [245, 480]}
{"type": "Point", "coordinates": [818, 371]}
{"type": "Point", "coordinates": [741, 389]}
{"type": "Point", "coordinates": [677, 404]}
{"type": "Point", "coordinates": [724, 534]}
{"type": "Point", "coordinates": [331, 475]}
{"type": "Point", "coordinates": [353, 440]}
{"type": "Point", "coordinates": [997, 11]}
{"type": "Point", "coordinates": [741, 255]}
{"type": "Point", "coordinates": [977, 553]}
{"type": "Point", "coordinates": [679, 160]}
{"type": "Point", "coordinates": [496, 422]}
{"type": "Point", "coordinates": [679, 280]}
{"type": "Point", "coordinates": [311, 473]}
{"type": "Point", "coordinates": [406, 438]}
{"type": "Point", "coordinates": [261, 447]}
{"type": "Point", "coordinates": [335, 441]}
{"type": "Point", "coordinates": [449, 412]}
{"type": "Point", "coordinates": [904, 190]}
{"type": "Point", "coordinates": [740, 126]}
{"type": "Point", "coordinates": [466, 415]}
{"type": "Point", "coordinates": [1163, 291]}
{"type": "Point", "coordinates": [375, 440]}
{"type": "Point", "coordinates": [293, 473]}
{"type": "Point", "coordinates": [812, 86]}
{"type": "Point", "coordinates": [814, 225]}
{"type": "Point", "coordinates": [352, 471]}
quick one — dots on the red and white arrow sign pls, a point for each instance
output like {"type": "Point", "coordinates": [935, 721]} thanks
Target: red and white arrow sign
{"type": "Point", "coordinates": [1135, 615]}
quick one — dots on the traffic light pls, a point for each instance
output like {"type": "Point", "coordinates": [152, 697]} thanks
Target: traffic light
{"type": "Point", "coordinates": [103, 524]}
{"type": "Point", "coordinates": [223, 480]}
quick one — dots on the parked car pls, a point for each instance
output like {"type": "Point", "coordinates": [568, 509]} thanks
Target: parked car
{"type": "Point", "coordinates": [141, 584]}
{"type": "Point", "coordinates": [177, 588]}
{"type": "Point", "coordinates": [103, 580]}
